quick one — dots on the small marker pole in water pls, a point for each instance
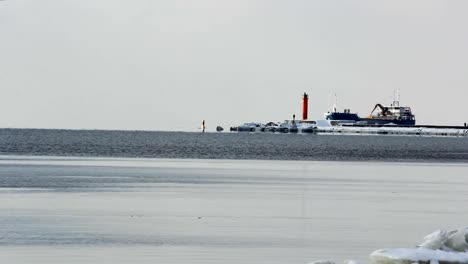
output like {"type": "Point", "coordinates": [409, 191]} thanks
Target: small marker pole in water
{"type": "Point", "coordinates": [203, 125]}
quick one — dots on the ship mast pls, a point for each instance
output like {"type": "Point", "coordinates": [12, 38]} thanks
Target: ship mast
{"type": "Point", "coordinates": [396, 98]}
{"type": "Point", "coordinates": [336, 103]}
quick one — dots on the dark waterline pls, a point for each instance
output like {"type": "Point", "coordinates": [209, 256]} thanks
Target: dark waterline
{"type": "Point", "coordinates": [262, 146]}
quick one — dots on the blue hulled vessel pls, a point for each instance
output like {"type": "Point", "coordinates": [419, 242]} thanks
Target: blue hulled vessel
{"type": "Point", "coordinates": [386, 115]}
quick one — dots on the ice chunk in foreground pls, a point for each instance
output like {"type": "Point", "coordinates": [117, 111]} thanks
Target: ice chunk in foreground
{"type": "Point", "coordinates": [458, 240]}
{"type": "Point", "coordinates": [439, 247]}
{"type": "Point", "coordinates": [418, 255]}
{"type": "Point", "coordinates": [435, 240]}
{"type": "Point", "coordinates": [322, 262]}
{"type": "Point", "coordinates": [351, 262]}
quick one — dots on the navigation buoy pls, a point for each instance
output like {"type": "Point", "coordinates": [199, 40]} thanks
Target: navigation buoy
{"type": "Point", "coordinates": [203, 125]}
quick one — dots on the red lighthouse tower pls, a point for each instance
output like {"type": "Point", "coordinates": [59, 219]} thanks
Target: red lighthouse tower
{"type": "Point", "coordinates": [305, 106]}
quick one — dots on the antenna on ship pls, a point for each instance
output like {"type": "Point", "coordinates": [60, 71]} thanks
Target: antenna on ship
{"type": "Point", "coordinates": [336, 103]}
{"type": "Point", "coordinates": [396, 97]}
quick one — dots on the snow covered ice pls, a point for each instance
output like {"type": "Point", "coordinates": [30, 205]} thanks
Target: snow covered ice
{"type": "Point", "coordinates": [441, 246]}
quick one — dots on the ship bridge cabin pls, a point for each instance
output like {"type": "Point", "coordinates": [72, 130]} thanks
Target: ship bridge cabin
{"type": "Point", "coordinates": [395, 112]}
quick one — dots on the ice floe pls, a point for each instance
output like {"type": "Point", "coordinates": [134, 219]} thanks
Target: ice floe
{"type": "Point", "coordinates": [439, 247]}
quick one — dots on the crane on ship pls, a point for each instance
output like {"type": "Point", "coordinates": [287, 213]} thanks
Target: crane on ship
{"type": "Point", "coordinates": [384, 109]}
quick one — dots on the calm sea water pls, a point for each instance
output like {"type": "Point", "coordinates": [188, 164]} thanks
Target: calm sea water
{"type": "Point", "coordinates": [165, 197]}
{"type": "Point", "coordinates": [231, 145]}
{"type": "Point", "coordinates": [101, 210]}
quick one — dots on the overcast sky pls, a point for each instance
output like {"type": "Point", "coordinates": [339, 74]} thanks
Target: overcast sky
{"type": "Point", "coordinates": [166, 65]}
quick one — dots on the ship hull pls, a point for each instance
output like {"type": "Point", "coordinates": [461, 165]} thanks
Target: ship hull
{"type": "Point", "coordinates": [377, 121]}
{"type": "Point", "coordinates": [344, 118]}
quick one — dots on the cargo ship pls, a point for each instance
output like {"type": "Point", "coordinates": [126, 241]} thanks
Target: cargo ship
{"type": "Point", "coordinates": [386, 115]}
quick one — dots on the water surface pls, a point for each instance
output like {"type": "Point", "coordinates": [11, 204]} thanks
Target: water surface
{"type": "Point", "coordinates": [120, 210]}
{"type": "Point", "coordinates": [260, 146]}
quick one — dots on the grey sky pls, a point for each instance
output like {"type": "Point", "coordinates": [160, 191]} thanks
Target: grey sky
{"type": "Point", "coordinates": [166, 65]}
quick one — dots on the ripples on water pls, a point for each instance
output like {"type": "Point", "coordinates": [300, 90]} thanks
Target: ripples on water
{"type": "Point", "coordinates": [230, 145]}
